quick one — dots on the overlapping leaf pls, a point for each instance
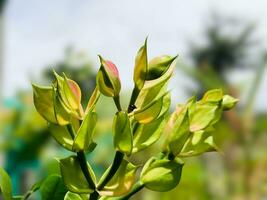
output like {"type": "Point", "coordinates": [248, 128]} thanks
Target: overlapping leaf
{"type": "Point", "coordinates": [161, 174]}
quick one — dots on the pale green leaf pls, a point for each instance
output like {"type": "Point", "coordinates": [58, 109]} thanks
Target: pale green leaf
{"type": "Point", "coordinates": [140, 69]}
{"type": "Point", "coordinates": [122, 181]}
{"type": "Point", "coordinates": [73, 176]}
{"type": "Point", "coordinates": [161, 174]}
{"type": "Point", "coordinates": [123, 138]}
{"type": "Point", "coordinates": [5, 185]}
{"type": "Point", "coordinates": [147, 134]}
{"type": "Point", "coordinates": [84, 137]}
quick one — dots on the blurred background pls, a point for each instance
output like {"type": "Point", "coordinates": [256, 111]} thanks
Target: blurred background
{"type": "Point", "coordinates": [221, 44]}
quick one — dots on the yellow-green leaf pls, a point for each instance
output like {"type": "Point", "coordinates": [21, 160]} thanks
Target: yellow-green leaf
{"type": "Point", "coordinates": [61, 135]}
{"type": "Point", "coordinates": [229, 102]}
{"type": "Point", "coordinates": [5, 185]}
{"type": "Point", "coordinates": [161, 174]}
{"type": "Point", "coordinates": [123, 138]}
{"type": "Point", "coordinates": [140, 68]}
{"type": "Point", "coordinates": [44, 103]}
{"type": "Point", "coordinates": [147, 134]}
{"type": "Point", "coordinates": [122, 181]}
{"type": "Point", "coordinates": [73, 176]}
{"type": "Point", "coordinates": [84, 138]}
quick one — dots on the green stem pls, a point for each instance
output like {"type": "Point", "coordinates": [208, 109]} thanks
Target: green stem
{"type": "Point", "coordinates": [82, 160]}
{"type": "Point", "coordinates": [94, 195]}
{"type": "Point", "coordinates": [136, 188]}
{"type": "Point", "coordinates": [117, 102]}
{"type": "Point", "coordinates": [134, 96]}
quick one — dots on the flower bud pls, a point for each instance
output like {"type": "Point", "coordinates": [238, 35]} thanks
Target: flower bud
{"type": "Point", "coordinates": [108, 80]}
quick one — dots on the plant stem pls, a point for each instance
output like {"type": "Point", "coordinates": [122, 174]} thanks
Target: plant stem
{"type": "Point", "coordinates": [117, 102]}
{"type": "Point", "coordinates": [94, 195]}
{"type": "Point", "coordinates": [136, 188]}
{"type": "Point", "coordinates": [114, 167]}
{"type": "Point", "coordinates": [134, 96]}
{"type": "Point", "coordinates": [83, 163]}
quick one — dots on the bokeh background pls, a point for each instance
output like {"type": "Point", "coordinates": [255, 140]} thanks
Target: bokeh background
{"type": "Point", "coordinates": [221, 44]}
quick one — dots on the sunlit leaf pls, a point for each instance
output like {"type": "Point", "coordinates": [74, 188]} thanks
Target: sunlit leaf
{"type": "Point", "coordinates": [43, 101]}
{"type": "Point", "coordinates": [158, 66]}
{"type": "Point", "coordinates": [161, 174]}
{"type": "Point", "coordinates": [84, 138]}
{"type": "Point", "coordinates": [154, 110]}
{"type": "Point", "coordinates": [179, 132]}
{"type": "Point", "coordinates": [147, 134]}
{"type": "Point", "coordinates": [93, 99]}
{"type": "Point", "coordinates": [229, 102]}
{"type": "Point", "coordinates": [140, 69]}
{"type": "Point", "coordinates": [153, 89]}
{"type": "Point", "coordinates": [61, 135]}
{"type": "Point", "coordinates": [53, 188]}
{"type": "Point", "coordinates": [122, 181]}
{"type": "Point", "coordinates": [215, 95]}
{"type": "Point", "coordinates": [5, 185]}
{"type": "Point", "coordinates": [198, 143]}
{"type": "Point", "coordinates": [202, 116]}
{"type": "Point", "coordinates": [123, 138]}
{"type": "Point", "coordinates": [72, 196]}
{"type": "Point", "coordinates": [73, 176]}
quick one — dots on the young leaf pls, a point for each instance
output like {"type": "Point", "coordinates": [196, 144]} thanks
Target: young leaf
{"type": "Point", "coordinates": [61, 135]}
{"type": "Point", "coordinates": [153, 89]}
{"type": "Point", "coordinates": [73, 176]}
{"type": "Point", "coordinates": [83, 139]}
{"type": "Point", "coordinates": [179, 132]}
{"type": "Point", "coordinates": [140, 68]}
{"type": "Point", "coordinates": [72, 196]}
{"type": "Point", "coordinates": [228, 102]}
{"type": "Point", "coordinates": [122, 181]}
{"type": "Point", "coordinates": [154, 110]}
{"type": "Point", "coordinates": [203, 116]}
{"type": "Point", "coordinates": [147, 134]}
{"type": "Point", "coordinates": [108, 80]}
{"type": "Point", "coordinates": [198, 143]}
{"type": "Point", "coordinates": [123, 138]}
{"type": "Point", "coordinates": [93, 99]}
{"type": "Point", "coordinates": [215, 95]}
{"type": "Point", "coordinates": [161, 174]}
{"type": "Point", "coordinates": [53, 188]}
{"type": "Point", "coordinates": [5, 185]}
{"type": "Point", "coordinates": [158, 66]}
{"type": "Point", "coordinates": [43, 102]}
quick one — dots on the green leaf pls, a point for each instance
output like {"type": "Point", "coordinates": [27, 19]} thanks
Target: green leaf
{"type": "Point", "coordinates": [198, 143]}
{"type": "Point", "coordinates": [123, 138]}
{"type": "Point", "coordinates": [73, 176]}
{"type": "Point", "coordinates": [154, 110]}
{"type": "Point", "coordinates": [147, 134]}
{"type": "Point", "coordinates": [161, 174]}
{"type": "Point", "coordinates": [84, 137]}
{"type": "Point", "coordinates": [229, 102]}
{"type": "Point", "coordinates": [122, 182]}
{"type": "Point", "coordinates": [43, 102]}
{"type": "Point", "coordinates": [203, 115]}
{"type": "Point", "coordinates": [140, 68]}
{"type": "Point", "coordinates": [179, 131]}
{"type": "Point", "coordinates": [108, 80]}
{"type": "Point", "coordinates": [72, 196]}
{"type": "Point", "coordinates": [154, 89]}
{"type": "Point", "coordinates": [93, 99]}
{"type": "Point", "coordinates": [215, 95]}
{"type": "Point", "coordinates": [61, 135]}
{"type": "Point", "coordinates": [5, 185]}
{"type": "Point", "coordinates": [158, 66]}
{"type": "Point", "coordinates": [53, 188]}
{"type": "Point", "coordinates": [62, 113]}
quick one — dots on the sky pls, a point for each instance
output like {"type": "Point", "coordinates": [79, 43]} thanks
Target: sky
{"type": "Point", "coordinates": [37, 32]}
